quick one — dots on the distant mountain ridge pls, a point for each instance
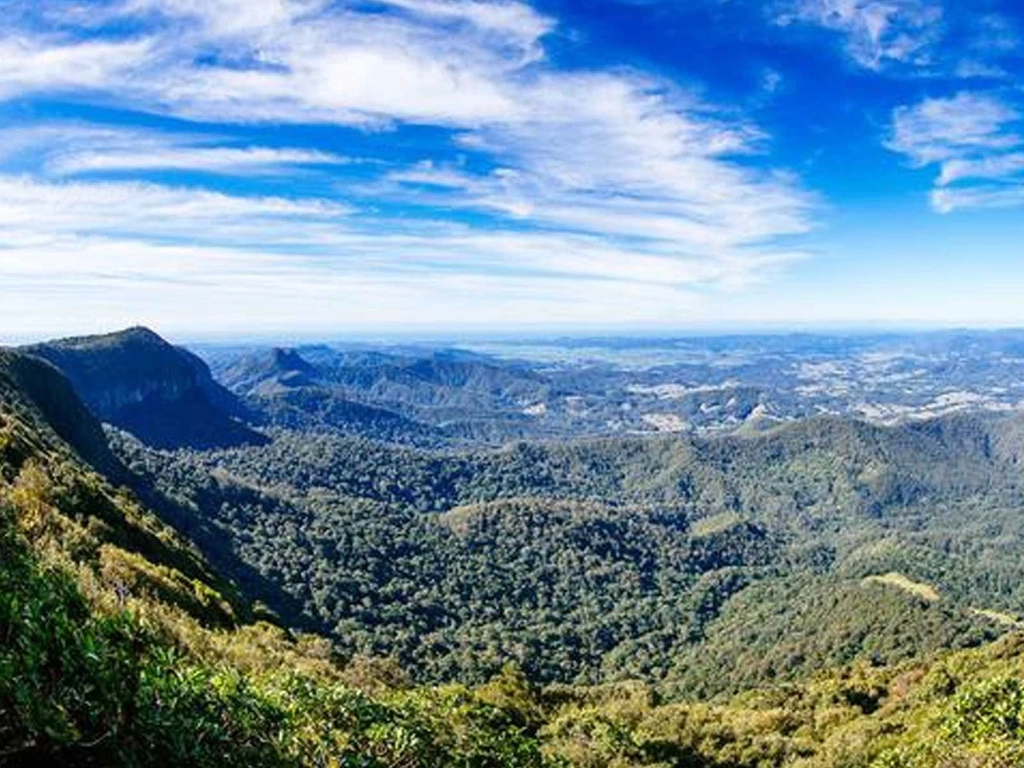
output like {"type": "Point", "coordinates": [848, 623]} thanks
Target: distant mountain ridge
{"type": "Point", "coordinates": [139, 382]}
{"type": "Point", "coordinates": [267, 372]}
{"type": "Point", "coordinates": [435, 379]}
{"type": "Point", "coordinates": [280, 388]}
{"type": "Point", "coordinates": [419, 396]}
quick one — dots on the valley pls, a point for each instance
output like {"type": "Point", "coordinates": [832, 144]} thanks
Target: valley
{"type": "Point", "coordinates": [402, 507]}
{"type": "Point", "coordinates": [492, 392]}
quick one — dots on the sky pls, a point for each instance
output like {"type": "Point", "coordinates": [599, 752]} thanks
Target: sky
{"type": "Point", "coordinates": [227, 168]}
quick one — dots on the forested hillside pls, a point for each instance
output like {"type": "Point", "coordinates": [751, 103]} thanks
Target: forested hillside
{"type": "Point", "coordinates": [121, 645]}
{"type": "Point", "coordinates": [708, 565]}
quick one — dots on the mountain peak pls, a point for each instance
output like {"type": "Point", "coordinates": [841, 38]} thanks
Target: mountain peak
{"type": "Point", "coordinates": [288, 360]}
{"type": "Point", "coordinates": [136, 334]}
{"type": "Point", "coordinates": [138, 381]}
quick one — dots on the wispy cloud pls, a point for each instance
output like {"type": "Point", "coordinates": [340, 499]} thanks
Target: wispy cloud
{"type": "Point", "coordinates": [628, 161]}
{"type": "Point", "coordinates": [610, 177]}
{"type": "Point", "coordinates": [877, 33]}
{"type": "Point", "coordinates": [994, 33]}
{"type": "Point", "coordinates": [32, 209]}
{"type": "Point", "coordinates": [943, 129]}
{"type": "Point", "coordinates": [70, 256]}
{"type": "Point", "coordinates": [975, 139]}
{"type": "Point", "coordinates": [75, 148]}
{"type": "Point", "coordinates": [228, 160]}
{"type": "Point", "coordinates": [53, 65]}
{"type": "Point", "coordinates": [85, 285]}
{"type": "Point", "coordinates": [918, 38]}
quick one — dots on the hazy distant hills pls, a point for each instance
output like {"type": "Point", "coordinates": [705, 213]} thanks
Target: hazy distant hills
{"type": "Point", "coordinates": [430, 397]}
{"type": "Point", "coordinates": [168, 397]}
{"type": "Point", "coordinates": [607, 387]}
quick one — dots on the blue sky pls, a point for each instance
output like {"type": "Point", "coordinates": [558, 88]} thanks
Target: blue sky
{"type": "Point", "coordinates": [316, 167]}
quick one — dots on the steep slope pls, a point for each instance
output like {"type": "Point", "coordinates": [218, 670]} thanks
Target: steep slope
{"type": "Point", "coordinates": [28, 382]}
{"type": "Point", "coordinates": [55, 459]}
{"type": "Point", "coordinates": [120, 646]}
{"type": "Point", "coordinates": [137, 381]}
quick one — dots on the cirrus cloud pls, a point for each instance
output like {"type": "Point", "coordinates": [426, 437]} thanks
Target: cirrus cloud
{"type": "Point", "coordinates": [597, 175]}
{"type": "Point", "coordinates": [975, 139]}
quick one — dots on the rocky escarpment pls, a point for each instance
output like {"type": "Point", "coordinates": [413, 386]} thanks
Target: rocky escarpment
{"type": "Point", "coordinates": [139, 382]}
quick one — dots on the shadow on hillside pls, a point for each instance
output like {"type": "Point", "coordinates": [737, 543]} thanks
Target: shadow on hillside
{"type": "Point", "coordinates": [215, 544]}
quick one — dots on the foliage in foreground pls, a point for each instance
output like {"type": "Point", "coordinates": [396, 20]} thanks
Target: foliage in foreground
{"type": "Point", "coordinates": [958, 710]}
{"type": "Point", "coordinates": [80, 687]}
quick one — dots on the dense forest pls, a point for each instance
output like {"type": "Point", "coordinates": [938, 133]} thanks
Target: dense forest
{"type": "Point", "coordinates": [181, 592]}
{"type": "Point", "coordinates": [706, 565]}
{"type": "Point", "coordinates": [122, 645]}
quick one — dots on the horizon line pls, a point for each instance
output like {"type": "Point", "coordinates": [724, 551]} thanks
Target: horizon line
{"type": "Point", "coordinates": [550, 335]}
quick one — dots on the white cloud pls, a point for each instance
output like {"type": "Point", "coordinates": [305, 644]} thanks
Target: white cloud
{"type": "Point", "coordinates": [33, 209]}
{"type": "Point", "coordinates": [625, 162]}
{"type": "Point", "coordinates": [71, 262]}
{"type": "Point", "coordinates": [72, 148]}
{"type": "Point", "coordinates": [771, 80]}
{"type": "Point", "coordinates": [613, 178]}
{"type": "Point", "coordinates": [516, 20]}
{"type": "Point", "coordinates": [944, 129]}
{"type": "Point", "coordinates": [213, 293]}
{"type": "Point", "coordinates": [948, 200]}
{"type": "Point", "coordinates": [29, 64]}
{"type": "Point", "coordinates": [294, 61]}
{"type": "Point", "coordinates": [326, 235]}
{"type": "Point", "coordinates": [976, 141]}
{"type": "Point", "coordinates": [930, 38]}
{"type": "Point", "coordinates": [996, 34]}
{"type": "Point", "coordinates": [992, 167]}
{"type": "Point", "coordinates": [229, 18]}
{"type": "Point", "coordinates": [972, 69]}
{"type": "Point", "coordinates": [227, 160]}
{"type": "Point", "coordinates": [877, 33]}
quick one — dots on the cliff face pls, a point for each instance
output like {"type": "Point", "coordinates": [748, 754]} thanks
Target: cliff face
{"type": "Point", "coordinates": [120, 370]}
{"type": "Point", "coordinates": [136, 380]}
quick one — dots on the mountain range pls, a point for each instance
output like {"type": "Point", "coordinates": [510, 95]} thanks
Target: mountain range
{"type": "Point", "coordinates": [330, 491]}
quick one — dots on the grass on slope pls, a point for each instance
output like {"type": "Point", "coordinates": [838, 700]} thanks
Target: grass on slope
{"type": "Point", "coordinates": [924, 591]}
